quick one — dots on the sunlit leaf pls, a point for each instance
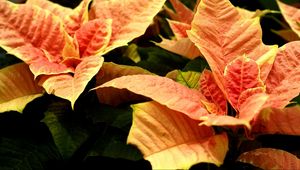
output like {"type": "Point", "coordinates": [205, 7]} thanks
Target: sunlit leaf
{"type": "Point", "coordinates": [278, 121]}
{"type": "Point", "coordinates": [222, 34]}
{"type": "Point", "coordinates": [182, 13]}
{"type": "Point", "coordinates": [180, 44]}
{"type": "Point", "coordinates": [217, 101]}
{"type": "Point", "coordinates": [17, 87]}
{"type": "Point", "coordinates": [38, 30]}
{"type": "Point", "coordinates": [291, 14]}
{"type": "Point", "coordinates": [93, 37]}
{"type": "Point", "coordinates": [70, 87]}
{"type": "Point", "coordinates": [171, 140]}
{"type": "Point", "coordinates": [39, 40]}
{"type": "Point", "coordinates": [163, 90]}
{"type": "Point", "coordinates": [130, 18]}
{"type": "Point", "coordinates": [77, 17]}
{"type": "Point", "coordinates": [54, 8]}
{"type": "Point", "coordinates": [268, 158]}
{"type": "Point", "coordinates": [111, 71]}
{"type": "Point", "coordinates": [241, 74]}
{"type": "Point", "coordinates": [179, 29]}
{"type": "Point", "coordinates": [183, 47]}
{"type": "Point", "coordinates": [283, 82]}
{"type": "Point", "coordinates": [249, 109]}
{"type": "Point", "coordinates": [72, 18]}
{"type": "Point", "coordinates": [248, 93]}
{"type": "Point", "coordinates": [43, 66]}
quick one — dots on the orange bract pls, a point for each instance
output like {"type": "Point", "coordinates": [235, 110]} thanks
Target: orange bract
{"type": "Point", "coordinates": [291, 15]}
{"type": "Point", "coordinates": [110, 71]}
{"type": "Point", "coordinates": [171, 140]}
{"type": "Point", "coordinates": [267, 158]}
{"type": "Point", "coordinates": [241, 74]}
{"type": "Point", "coordinates": [222, 33]}
{"type": "Point", "coordinates": [163, 90]}
{"type": "Point", "coordinates": [17, 88]}
{"type": "Point", "coordinates": [217, 101]}
{"type": "Point", "coordinates": [180, 23]}
{"type": "Point", "coordinates": [130, 18]}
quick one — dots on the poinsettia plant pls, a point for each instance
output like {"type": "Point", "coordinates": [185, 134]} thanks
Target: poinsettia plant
{"type": "Point", "coordinates": [245, 75]}
{"type": "Point", "coordinates": [63, 47]}
{"type": "Point", "coordinates": [215, 95]}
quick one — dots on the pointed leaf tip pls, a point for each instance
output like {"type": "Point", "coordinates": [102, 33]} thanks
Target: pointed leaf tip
{"type": "Point", "coordinates": [70, 87]}
{"type": "Point", "coordinates": [171, 140]}
{"type": "Point", "coordinates": [163, 90]}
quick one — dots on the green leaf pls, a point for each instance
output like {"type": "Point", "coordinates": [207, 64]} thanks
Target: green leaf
{"type": "Point", "coordinates": [118, 117]}
{"type": "Point", "coordinates": [7, 59]}
{"type": "Point", "coordinates": [295, 101]}
{"type": "Point", "coordinates": [22, 154]}
{"type": "Point", "coordinates": [25, 142]}
{"type": "Point", "coordinates": [112, 143]}
{"type": "Point", "coordinates": [132, 53]}
{"type": "Point", "coordinates": [160, 61]}
{"type": "Point", "coordinates": [189, 79]}
{"type": "Point", "coordinates": [198, 65]}
{"type": "Point", "coordinates": [68, 128]}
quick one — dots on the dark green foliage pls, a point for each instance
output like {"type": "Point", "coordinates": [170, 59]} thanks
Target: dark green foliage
{"type": "Point", "coordinates": [7, 59]}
